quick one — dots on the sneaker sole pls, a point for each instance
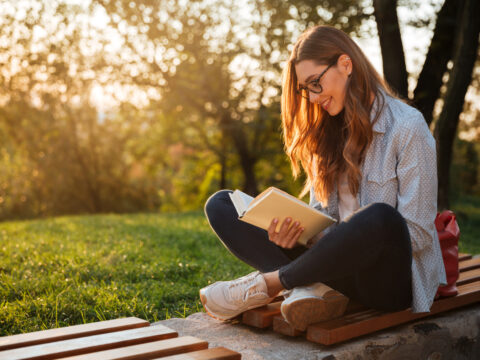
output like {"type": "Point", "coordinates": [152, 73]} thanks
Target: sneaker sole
{"type": "Point", "coordinates": [203, 299]}
{"type": "Point", "coordinates": [304, 312]}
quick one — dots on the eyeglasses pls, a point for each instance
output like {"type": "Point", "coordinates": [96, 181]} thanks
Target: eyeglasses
{"type": "Point", "coordinates": [314, 85]}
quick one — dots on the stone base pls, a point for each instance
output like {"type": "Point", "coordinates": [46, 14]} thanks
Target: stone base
{"type": "Point", "coordinates": [452, 335]}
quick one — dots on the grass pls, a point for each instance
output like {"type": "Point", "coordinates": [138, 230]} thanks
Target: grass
{"type": "Point", "coordinates": [73, 270]}
{"type": "Point", "coordinates": [467, 209]}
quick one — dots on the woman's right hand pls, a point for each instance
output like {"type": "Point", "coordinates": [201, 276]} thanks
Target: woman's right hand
{"type": "Point", "coordinates": [288, 235]}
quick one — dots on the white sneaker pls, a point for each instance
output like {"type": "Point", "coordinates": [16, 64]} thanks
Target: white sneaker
{"type": "Point", "coordinates": [224, 300]}
{"type": "Point", "coordinates": [306, 305]}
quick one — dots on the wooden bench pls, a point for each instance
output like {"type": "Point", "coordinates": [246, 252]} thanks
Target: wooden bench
{"type": "Point", "coordinates": [358, 320]}
{"type": "Point", "coordinates": [128, 338]}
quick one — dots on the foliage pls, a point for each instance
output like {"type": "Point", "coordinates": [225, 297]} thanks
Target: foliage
{"type": "Point", "coordinates": [464, 172]}
{"type": "Point", "coordinates": [121, 106]}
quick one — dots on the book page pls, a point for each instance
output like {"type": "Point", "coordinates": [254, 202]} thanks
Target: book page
{"type": "Point", "coordinates": [240, 201]}
{"type": "Point", "coordinates": [246, 199]}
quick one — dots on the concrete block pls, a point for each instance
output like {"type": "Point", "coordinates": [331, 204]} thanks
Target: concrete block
{"type": "Point", "coordinates": [451, 335]}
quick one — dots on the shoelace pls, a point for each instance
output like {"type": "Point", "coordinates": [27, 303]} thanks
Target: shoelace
{"type": "Point", "coordinates": [238, 291]}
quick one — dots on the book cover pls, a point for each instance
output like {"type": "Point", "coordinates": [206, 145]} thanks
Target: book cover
{"type": "Point", "coordinates": [275, 203]}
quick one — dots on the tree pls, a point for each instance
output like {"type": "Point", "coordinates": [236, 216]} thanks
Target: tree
{"type": "Point", "coordinates": [58, 156]}
{"type": "Point", "coordinates": [459, 80]}
{"type": "Point", "coordinates": [393, 58]}
{"type": "Point", "coordinates": [455, 39]}
{"type": "Point", "coordinates": [219, 107]}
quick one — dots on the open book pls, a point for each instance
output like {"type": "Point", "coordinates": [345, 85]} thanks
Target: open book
{"type": "Point", "coordinates": [275, 203]}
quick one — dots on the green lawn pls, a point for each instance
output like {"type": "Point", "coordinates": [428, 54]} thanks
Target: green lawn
{"type": "Point", "coordinates": [71, 270]}
{"type": "Point", "coordinates": [467, 209]}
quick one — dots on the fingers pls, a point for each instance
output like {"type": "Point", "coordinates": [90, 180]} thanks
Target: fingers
{"type": "Point", "coordinates": [272, 235]}
{"type": "Point", "coordinates": [288, 234]}
{"type": "Point", "coordinates": [284, 228]}
{"type": "Point", "coordinates": [286, 231]}
{"type": "Point", "coordinates": [296, 236]}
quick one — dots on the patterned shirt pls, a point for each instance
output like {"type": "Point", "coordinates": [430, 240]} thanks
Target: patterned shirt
{"type": "Point", "coordinates": [400, 169]}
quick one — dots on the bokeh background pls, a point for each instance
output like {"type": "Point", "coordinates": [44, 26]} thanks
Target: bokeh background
{"type": "Point", "coordinates": [152, 105]}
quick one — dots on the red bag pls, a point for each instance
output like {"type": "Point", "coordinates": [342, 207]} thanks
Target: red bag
{"type": "Point", "coordinates": [448, 235]}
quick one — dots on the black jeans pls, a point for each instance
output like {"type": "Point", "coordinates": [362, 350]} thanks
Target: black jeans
{"type": "Point", "coordinates": [367, 258]}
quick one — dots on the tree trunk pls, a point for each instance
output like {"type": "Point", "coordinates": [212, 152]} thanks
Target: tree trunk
{"type": "Point", "coordinates": [250, 180]}
{"type": "Point", "coordinates": [439, 53]}
{"type": "Point", "coordinates": [460, 78]}
{"type": "Point", "coordinates": [247, 160]}
{"type": "Point", "coordinates": [394, 69]}
{"type": "Point", "coordinates": [223, 166]}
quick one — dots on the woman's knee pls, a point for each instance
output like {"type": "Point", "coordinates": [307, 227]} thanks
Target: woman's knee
{"type": "Point", "coordinates": [216, 202]}
{"type": "Point", "coordinates": [388, 216]}
{"type": "Point", "coordinates": [392, 226]}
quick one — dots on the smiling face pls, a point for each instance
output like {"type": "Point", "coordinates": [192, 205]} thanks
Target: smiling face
{"type": "Point", "coordinates": [333, 82]}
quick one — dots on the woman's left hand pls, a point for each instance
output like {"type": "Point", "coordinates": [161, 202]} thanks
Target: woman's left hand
{"type": "Point", "coordinates": [288, 234]}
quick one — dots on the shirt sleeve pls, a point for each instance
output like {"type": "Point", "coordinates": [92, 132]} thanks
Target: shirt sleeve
{"type": "Point", "coordinates": [417, 182]}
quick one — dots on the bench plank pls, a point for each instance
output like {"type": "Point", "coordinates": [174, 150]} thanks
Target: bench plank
{"type": "Point", "coordinates": [149, 350]}
{"type": "Point", "coordinates": [463, 256]}
{"type": "Point", "coordinates": [469, 264]}
{"type": "Point", "coordinates": [70, 332]}
{"type": "Point", "coordinates": [90, 343]}
{"type": "Point", "coordinates": [468, 276]}
{"type": "Point", "coordinates": [261, 317]}
{"type": "Point", "coordinates": [219, 353]}
{"type": "Point", "coordinates": [334, 331]}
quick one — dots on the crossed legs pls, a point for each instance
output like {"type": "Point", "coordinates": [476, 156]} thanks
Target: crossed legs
{"type": "Point", "coordinates": [367, 258]}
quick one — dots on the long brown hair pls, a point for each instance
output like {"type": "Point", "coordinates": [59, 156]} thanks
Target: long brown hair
{"type": "Point", "coordinates": [326, 145]}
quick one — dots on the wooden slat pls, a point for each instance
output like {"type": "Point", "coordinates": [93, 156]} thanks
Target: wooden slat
{"type": "Point", "coordinates": [147, 351]}
{"type": "Point", "coordinates": [261, 317]}
{"type": "Point", "coordinates": [70, 332]}
{"type": "Point", "coordinates": [353, 307]}
{"type": "Point", "coordinates": [468, 276]}
{"type": "Point", "coordinates": [281, 326]}
{"type": "Point", "coordinates": [463, 256]}
{"type": "Point", "coordinates": [334, 331]}
{"type": "Point", "coordinates": [219, 353]}
{"type": "Point", "coordinates": [90, 343]}
{"type": "Point", "coordinates": [469, 264]}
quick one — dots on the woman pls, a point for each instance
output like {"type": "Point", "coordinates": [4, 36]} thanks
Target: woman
{"type": "Point", "coordinates": [370, 163]}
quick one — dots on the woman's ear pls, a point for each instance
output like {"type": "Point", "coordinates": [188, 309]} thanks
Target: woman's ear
{"type": "Point", "coordinates": [345, 64]}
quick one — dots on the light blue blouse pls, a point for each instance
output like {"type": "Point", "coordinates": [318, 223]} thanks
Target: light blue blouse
{"type": "Point", "coordinates": [400, 169]}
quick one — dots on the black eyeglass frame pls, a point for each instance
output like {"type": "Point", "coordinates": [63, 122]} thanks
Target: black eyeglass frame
{"type": "Point", "coordinates": [317, 81]}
